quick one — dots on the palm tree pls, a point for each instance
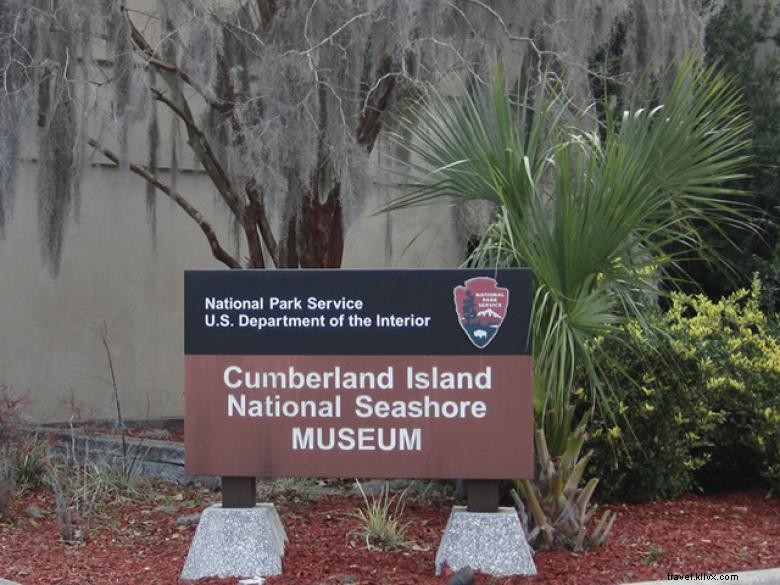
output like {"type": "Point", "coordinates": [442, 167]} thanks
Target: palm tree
{"type": "Point", "coordinates": [590, 212]}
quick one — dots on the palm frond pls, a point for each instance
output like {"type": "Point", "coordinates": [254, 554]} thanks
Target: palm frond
{"type": "Point", "coordinates": [592, 214]}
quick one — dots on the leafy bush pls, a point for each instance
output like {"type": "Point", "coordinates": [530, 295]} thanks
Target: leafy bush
{"type": "Point", "coordinates": [703, 408]}
{"type": "Point", "coordinates": [738, 363]}
{"type": "Point", "coordinates": [664, 423]}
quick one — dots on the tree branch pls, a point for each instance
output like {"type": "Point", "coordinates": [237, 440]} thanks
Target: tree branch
{"type": "Point", "coordinates": [267, 9]}
{"type": "Point", "coordinates": [153, 59]}
{"type": "Point", "coordinates": [216, 248]}
{"type": "Point", "coordinates": [197, 140]}
{"type": "Point", "coordinates": [248, 215]}
{"type": "Point", "coordinates": [261, 217]}
{"type": "Point", "coordinates": [370, 122]}
{"type": "Point", "coordinates": [255, 247]}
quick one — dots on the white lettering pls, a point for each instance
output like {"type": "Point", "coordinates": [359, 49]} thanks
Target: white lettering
{"type": "Point", "coordinates": [440, 379]}
{"type": "Point", "coordinates": [235, 404]}
{"type": "Point", "coordinates": [342, 304]}
{"type": "Point", "coordinates": [362, 439]}
{"type": "Point", "coordinates": [226, 377]}
{"type": "Point", "coordinates": [410, 442]}
{"type": "Point", "coordinates": [302, 440]}
{"type": "Point", "coordinates": [367, 407]}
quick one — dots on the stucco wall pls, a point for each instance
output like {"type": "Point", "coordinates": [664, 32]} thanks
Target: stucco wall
{"type": "Point", "coordinates": [116, 278]}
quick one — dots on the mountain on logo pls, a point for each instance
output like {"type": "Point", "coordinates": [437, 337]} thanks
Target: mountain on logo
{"type": "Point", "coordinates": [489, 313]}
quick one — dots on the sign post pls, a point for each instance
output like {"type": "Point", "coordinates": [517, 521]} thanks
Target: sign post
{"type": "Point", "coordinates": [238, 492]}
{"type": "Point", "coordinates": [358, 373]}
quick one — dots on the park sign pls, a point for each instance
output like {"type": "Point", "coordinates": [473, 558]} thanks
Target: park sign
{"type": "Point", "coordinates": [358, 373]}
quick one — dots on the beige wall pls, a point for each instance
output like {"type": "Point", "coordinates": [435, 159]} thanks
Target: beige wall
{"type": "Point", "coordinates": [114, 273]}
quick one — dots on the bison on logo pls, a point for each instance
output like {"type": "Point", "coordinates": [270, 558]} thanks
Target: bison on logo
{"type": "Point", "coordinates": [481, 306]}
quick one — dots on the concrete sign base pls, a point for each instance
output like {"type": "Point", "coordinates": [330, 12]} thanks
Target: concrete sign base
{"type": "Point", "coordinates": [493, 543]}
{"type": "Point", "coordinates": [236, 542]}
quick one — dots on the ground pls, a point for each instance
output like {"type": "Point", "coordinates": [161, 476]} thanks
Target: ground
{"type": "Point", "coordinates": [141, 541]}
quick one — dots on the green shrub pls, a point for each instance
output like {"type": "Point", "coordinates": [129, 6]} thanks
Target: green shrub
{"type": "Point", "coordinates": [661, 438]}
{"type": "Point", "coordinates": [702, 408]}
{"type": "Point", "coordinates": [738, 365]}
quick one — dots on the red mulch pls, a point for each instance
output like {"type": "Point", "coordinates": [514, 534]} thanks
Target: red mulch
{"type": "Point", "coordinates": [139, 545]}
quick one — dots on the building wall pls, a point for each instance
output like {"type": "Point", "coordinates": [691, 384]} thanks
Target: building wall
{"type": "Point", "coordinates": [120, 283]}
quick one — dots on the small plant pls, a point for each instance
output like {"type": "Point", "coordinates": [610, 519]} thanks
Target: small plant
{"type": "Point", "coordinates": [123, 471]}
{"type": "Point", "coordinates": [7, 481]}
{"type": "Point", "coordinates": [652, 554]}
{"type": "Point", "coordinates": [560, 510]}
{"type": "Point", "coordinates": [10, 438]}
{"type": "Point", "coordinates": [122, 478]}
{"type": "Point", "coordinates": [31, 462]}
{"type": "Point", "coordinates": [78, 487]}
{"type": "Point", "coordinates": [380, 517]}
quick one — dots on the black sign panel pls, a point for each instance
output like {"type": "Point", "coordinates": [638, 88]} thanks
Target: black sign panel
{"type": "Point", "coordinates": [358, 312]}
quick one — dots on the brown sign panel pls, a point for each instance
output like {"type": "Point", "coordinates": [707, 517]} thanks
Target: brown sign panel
{"type": "Point", "coordinates": [409, 374]}
{"type": "Point", "coordinates": [367, 416]}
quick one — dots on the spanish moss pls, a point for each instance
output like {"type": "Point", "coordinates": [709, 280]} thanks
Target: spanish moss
{"type": "Point", "coordinates": [281, 105]}
{"type": "Point", "coordinates": [154, 153]}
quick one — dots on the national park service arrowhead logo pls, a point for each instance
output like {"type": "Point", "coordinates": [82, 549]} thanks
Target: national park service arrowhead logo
{"type": "Point", "coordinates": [481, 306]}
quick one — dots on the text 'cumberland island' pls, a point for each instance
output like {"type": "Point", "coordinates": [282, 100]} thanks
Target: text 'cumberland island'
{"type": "Point", "coordinates": [337, 378]}
{"type": "Point", "coordinates": [366, 407]}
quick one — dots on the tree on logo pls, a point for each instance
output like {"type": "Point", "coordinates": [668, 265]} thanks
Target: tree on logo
{"type": "Point", "coordinates": [469, 308]}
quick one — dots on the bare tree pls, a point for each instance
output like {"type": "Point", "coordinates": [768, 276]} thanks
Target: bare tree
{"type": "Point", "coordinates": [281, 102]}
